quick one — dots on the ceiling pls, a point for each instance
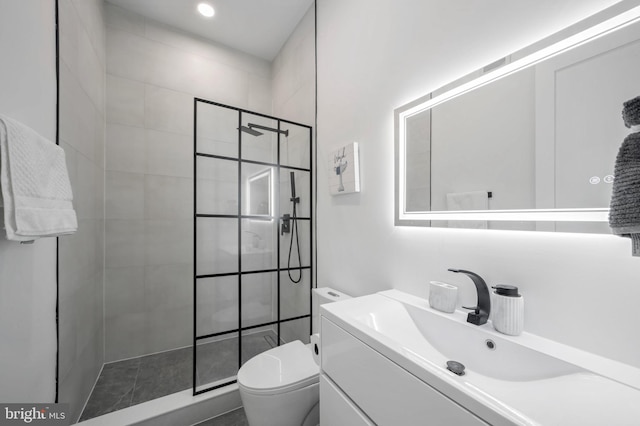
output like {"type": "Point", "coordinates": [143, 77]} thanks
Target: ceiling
{"type": "Point", "coordinates": [257, 27]}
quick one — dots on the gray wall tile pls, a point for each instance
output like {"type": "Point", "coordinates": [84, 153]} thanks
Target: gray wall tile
{"type": "Point", "coordinates": [124, 291]}
{"type": "Point", "coordinates": [78, 115]}
{"type": "Point", "coordinates": [168, 287]}
{"type": "Point", "coordinates": [169, 154]}
{"type": "Point", "coordinates": [124, 195]}
{"type": "Point", "coordinates": [169, 329]}
{"type": "Point", "coordinates": [120, 19]}
{"type": "Point", "coordinates": [168, 242]}
{"type": "Point", "coordinates": [125, 101]}
{"type": "Point", "coordinates": [81, 256]}
{"type": "Point", "coordinates": [124, 243]}
{"type": "Point", "coordinates": [128, 55]}
{"type": "Point", "coordinates": [167, 197]}
{"type": "Point", "coordinates": [124, 336]}
{"type": "Point", "coordinates": [168, 110]}
{"type": "Point", "coordinates": [125, 148]}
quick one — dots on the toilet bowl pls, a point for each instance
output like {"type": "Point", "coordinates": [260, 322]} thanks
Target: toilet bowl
{"type": "Point", "coordinates": [280, 387]}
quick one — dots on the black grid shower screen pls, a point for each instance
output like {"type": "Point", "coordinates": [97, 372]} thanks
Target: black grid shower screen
{"type": "Point", "coordinates": [252, 282]}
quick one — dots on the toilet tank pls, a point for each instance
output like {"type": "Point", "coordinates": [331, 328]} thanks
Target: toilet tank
{"type": "Point", "coordinates": [320, 296]}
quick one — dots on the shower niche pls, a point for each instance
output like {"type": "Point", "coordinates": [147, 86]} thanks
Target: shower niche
{"type": "Point", "coordinates": [252, 238]}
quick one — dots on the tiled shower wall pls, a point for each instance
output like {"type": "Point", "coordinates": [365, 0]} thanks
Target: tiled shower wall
{"type": "Point", "coordinates": [293, 71]}
{"type": "Point", "coordinates": [153, 74]}
{"type": "Point", "coordinates": [294, 96]}
{"type": "Point", "coordinates": [81, 256]}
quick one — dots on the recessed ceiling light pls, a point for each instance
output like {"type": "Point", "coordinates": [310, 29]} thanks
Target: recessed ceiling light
{"type": "Point", "coordinates": [206, 10]}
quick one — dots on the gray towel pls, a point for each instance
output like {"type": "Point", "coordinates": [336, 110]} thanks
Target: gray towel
{"type": "Point", "coordinates": [624, 215]}
{"type": "Point", "coordinates": [631, 112]}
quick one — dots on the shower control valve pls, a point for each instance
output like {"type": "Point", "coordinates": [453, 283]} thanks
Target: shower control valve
{"type": "Point", "coordinates": [286, 224]}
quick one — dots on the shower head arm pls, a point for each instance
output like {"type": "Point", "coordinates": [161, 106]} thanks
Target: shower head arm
{"type": "Point", "coordinates": [270, 129]}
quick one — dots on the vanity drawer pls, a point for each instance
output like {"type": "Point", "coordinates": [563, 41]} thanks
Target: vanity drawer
{"type": "Point", "coordinates": [336, 409]}
{"type": "Point", "coordinates": [385, 392]}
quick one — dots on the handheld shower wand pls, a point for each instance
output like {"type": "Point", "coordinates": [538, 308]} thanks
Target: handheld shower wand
{"type": "Point", "coordinates": [294, 231]}
{"type": "Point", "coordinates": [293, 189]}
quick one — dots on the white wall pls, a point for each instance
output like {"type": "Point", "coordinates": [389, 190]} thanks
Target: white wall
{"type": "Point", "coordinates": [376, 56]}
{"type": "Point", "coordinates": [28, 272]}
{"type": "Point", "coordinates": [81, 261]}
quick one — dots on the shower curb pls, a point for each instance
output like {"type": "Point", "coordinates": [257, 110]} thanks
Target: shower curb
{"type": "Point", "coordinates": [178, 409]}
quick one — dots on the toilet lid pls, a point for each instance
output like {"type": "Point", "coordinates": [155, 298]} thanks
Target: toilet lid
{"type": "Point", "coordinates": [284, 368]}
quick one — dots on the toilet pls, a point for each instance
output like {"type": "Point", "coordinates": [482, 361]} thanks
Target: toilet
{"type": "Point", "coordinates": [280, 387]}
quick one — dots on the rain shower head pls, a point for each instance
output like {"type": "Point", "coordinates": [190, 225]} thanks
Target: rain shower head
{"type": "Point", "coordinates": [250, 131]}
{"type": "Point", "coordinates": [271, 129]}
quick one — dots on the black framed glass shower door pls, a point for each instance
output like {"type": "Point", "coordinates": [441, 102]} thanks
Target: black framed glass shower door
{"type": "Point", "coordinates": [252, 250]}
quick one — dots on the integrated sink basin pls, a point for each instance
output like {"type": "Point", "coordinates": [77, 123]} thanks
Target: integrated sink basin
{"type": "Point", "coordinates": [523, 380]}
{"type": "Point", "coordinates": [479, 352]}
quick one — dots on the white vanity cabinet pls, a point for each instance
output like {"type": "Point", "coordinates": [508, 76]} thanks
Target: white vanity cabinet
{"type": "Point", "coordinates": [336, 409]}
{"type": "Point", "coordinates": [359, 386]}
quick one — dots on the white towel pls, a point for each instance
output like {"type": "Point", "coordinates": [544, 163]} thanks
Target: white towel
{"type": "Point", "coordinates": [34, 182]}
{"type": "Point", "coordinates": [464, 201]}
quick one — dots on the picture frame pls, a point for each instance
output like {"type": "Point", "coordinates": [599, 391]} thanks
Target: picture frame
{"type": "Point", "coordinates": [344, 170]}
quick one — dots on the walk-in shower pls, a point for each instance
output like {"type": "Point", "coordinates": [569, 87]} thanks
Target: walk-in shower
{"type": "Point", "coordinates": [252, 282]}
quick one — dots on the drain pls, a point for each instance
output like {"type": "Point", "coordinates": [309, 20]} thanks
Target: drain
{"type": "Point", "coordinates": [490, 344]}
{"type": "Point", "coordinates": [456, 367]}
{"type": "Point", "coordinates": [271, 341]}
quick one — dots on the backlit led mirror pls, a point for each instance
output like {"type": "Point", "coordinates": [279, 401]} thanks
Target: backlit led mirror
{"type": "Point", "coordinates": [528, 142]}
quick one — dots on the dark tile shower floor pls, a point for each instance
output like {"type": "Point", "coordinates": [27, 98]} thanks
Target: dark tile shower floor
{"type": "Point", "coordinates": [125, 383]}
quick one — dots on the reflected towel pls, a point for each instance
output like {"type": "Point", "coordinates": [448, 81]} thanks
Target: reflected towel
{"type": "Point", "coordinates": [34, 182]}
{"type": "Point", "coordinates": [463, 201]}
{"type": "Point", "coordinates": [631, 112]}
{"type": "Point", "coordinates": [624, 212]}
{"type": "Point", "coordinates": [475, 200]}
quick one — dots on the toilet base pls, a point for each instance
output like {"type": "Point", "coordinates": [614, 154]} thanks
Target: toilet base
{"type": "Point", "coordinates": [313, 418]}
{"type": "Point", "coordinates": [294, 408]}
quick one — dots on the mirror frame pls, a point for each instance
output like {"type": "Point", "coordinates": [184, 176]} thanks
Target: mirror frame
{"type": "Point", "coordinates": [609, 20]}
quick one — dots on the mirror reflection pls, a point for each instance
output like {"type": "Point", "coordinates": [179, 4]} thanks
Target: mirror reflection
{"type": "Point", "coordinates": [259, 193]}
{"type": "Point", "coordinates": [544, 138]}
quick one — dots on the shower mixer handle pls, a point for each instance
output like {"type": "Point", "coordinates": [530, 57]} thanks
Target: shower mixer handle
{"type": "Point", "coordinates": [286, 224]}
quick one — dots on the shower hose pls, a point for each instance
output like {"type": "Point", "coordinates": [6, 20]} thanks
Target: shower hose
{"type": "Point", "coordinates": [294, 234]}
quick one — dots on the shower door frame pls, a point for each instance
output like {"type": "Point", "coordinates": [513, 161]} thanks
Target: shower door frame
{"type": "Point", "coordinates": [277, 216]}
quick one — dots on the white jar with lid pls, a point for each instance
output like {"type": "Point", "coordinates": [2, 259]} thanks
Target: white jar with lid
{"type": "Point", "coordinates": [507, 310]}
{"type": "Point", "coordinates": [443, 296]}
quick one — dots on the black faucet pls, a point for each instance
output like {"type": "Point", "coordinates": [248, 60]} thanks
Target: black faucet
{"type": "Point", "coordinates": [481, 312]}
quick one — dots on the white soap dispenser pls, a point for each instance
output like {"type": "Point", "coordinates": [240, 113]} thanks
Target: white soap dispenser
{"type": "Point", "coordinates": [508, 310]}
